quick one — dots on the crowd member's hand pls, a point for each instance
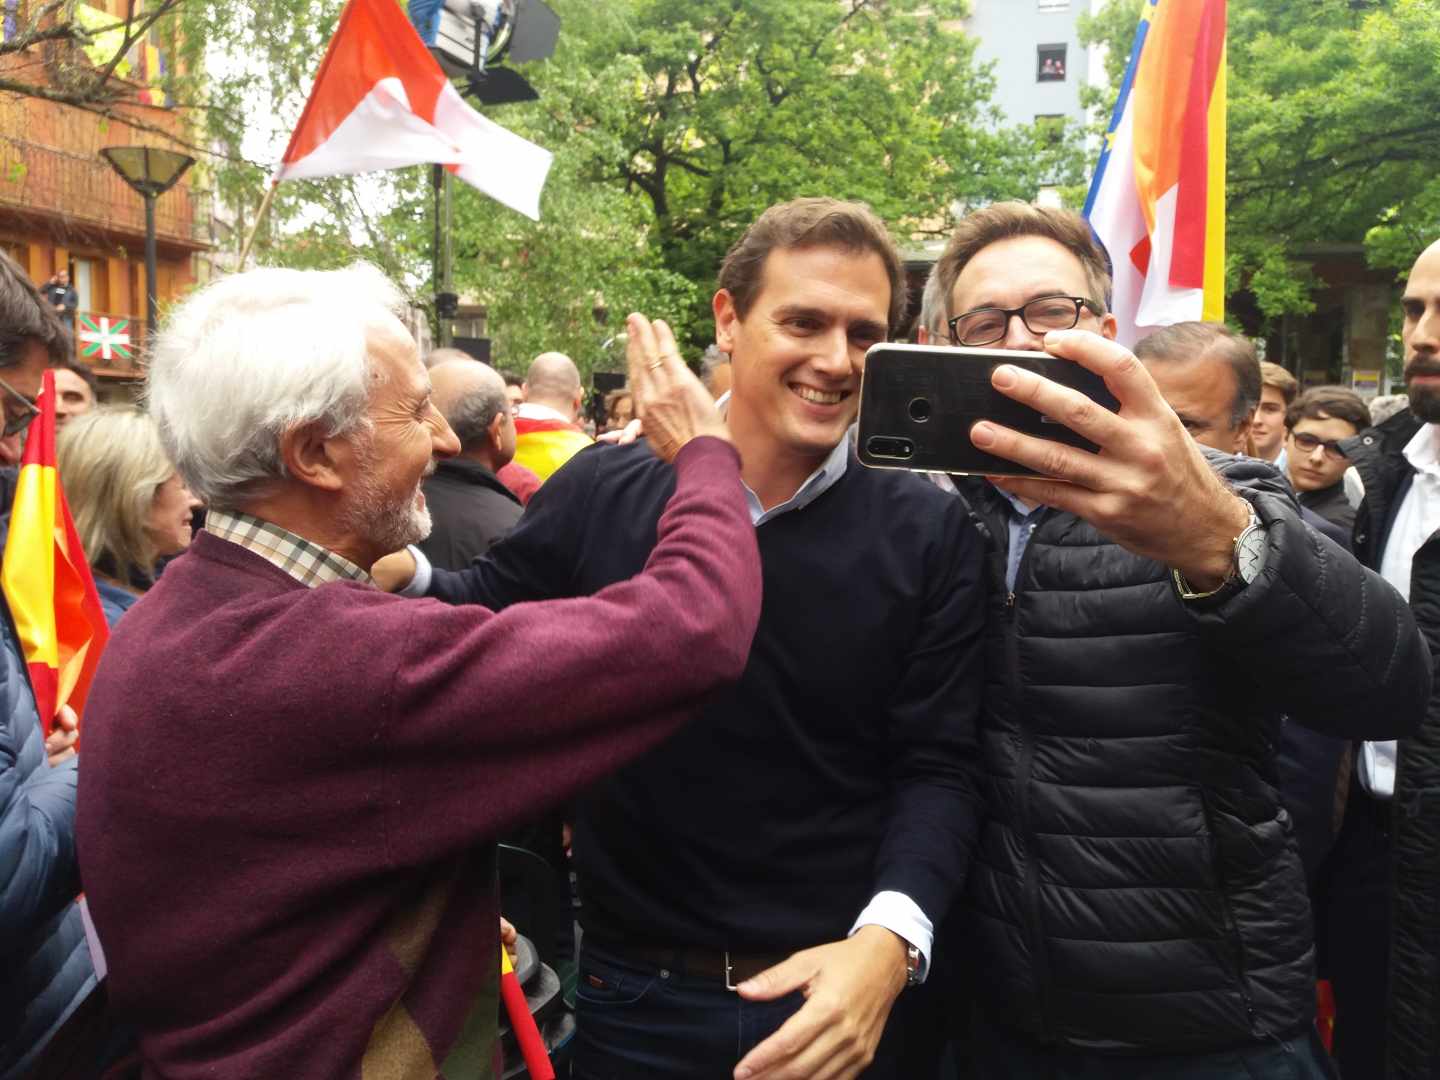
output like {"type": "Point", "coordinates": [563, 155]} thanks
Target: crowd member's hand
{"type": "Point", "coordinates": [394, 571]}
{"type": "Point", "coordinates": [673, 404]}
{"type": "Point", "coordinates": [623, 436]}
{"type": "Point", "coordinates": [849, 988]}
{"type": "Point", "coordinates": [509, 939]}
{"type": "Point", "coordinates": [1150, 489]}
{"type": "Point", "coordinates": [60, 743]}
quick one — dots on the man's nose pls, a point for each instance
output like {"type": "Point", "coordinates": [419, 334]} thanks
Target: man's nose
{"type": "Point", "coordinates": [443, 443]}
{"type": "Point", "coordinates": [1426, 337]}
{"type": "Point", "coordinates": [1019, 336]}
{"type": "Point", "coordinates": [832, 352]}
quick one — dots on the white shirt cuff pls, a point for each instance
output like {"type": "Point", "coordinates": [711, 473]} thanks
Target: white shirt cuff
{"type": "Point", "coordinates": [900, 915]}
{"type": "Point", "coordinates": [420, 583]}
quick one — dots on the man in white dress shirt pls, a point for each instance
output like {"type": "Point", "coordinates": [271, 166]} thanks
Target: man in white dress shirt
{"type": "Point", "coordinates": [1381, 922]}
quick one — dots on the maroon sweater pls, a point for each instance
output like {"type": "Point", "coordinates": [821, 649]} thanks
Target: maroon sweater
{"type": "Point", "coordinates": [289, 795]}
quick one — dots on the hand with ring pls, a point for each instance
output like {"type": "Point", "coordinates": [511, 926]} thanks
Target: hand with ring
{"type": "Point", "coordinates": [670, 400]}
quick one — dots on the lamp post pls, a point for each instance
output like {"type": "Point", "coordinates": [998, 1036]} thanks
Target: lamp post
{"type": "Point", "coordinates": [151, 171]}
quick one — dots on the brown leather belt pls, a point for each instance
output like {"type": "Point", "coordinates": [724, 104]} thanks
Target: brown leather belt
{"type": "Point", "coordinates": [731, 967]}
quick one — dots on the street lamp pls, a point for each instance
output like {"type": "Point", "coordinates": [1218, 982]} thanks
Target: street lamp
{"type": "Point", "coordinates": [151, 171]}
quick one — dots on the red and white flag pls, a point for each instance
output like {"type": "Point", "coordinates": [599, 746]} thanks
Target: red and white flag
{"type": "Point", "coordinates": [381, 102]}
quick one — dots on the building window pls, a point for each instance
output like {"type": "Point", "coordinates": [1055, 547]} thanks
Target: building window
{"type": "Point", "coordinates": [1054, 5]}
{"type": "Point", "coordinates": [1050, 63]}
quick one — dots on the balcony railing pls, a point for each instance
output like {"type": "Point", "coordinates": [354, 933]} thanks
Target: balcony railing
{"type": "Point", "coordinates": [85, 191]}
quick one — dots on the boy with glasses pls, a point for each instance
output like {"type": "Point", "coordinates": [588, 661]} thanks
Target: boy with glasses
{"type": "Point", "coordinates": [1315, 425]}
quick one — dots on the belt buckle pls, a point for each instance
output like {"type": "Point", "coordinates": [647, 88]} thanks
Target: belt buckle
{"type": "Point", "coordinates": [729, 985]}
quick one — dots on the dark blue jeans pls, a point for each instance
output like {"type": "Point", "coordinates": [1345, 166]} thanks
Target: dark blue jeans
{"type": "Point", "coordinates": [636, 1022]}
{"type": "Point", "coordinates": [1000, 1055]}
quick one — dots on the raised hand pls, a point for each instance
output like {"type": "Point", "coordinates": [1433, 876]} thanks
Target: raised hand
{"type": "Point", "coordinates": [672, 403]}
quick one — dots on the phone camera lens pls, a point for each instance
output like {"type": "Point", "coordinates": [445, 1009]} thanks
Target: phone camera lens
{"type": "Point", "coordinates": [884, 446]}
{"type": "Point", "coordinates": [920, 410]}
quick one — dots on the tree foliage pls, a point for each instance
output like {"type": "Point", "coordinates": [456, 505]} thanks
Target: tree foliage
{"type": "Point", "coordinates": [674, 123]}
{"type": "Point", "coordinates": [1334, 134]}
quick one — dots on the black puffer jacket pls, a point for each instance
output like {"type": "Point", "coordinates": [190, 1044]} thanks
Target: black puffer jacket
{"type": "Point", "coordinates": [1137, 888]}
{"type": "Point", "coordinates": [1413, 1044]}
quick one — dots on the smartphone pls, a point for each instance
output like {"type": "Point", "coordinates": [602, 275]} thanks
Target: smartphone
{"type": "Point", "coordinates": [919, 402]}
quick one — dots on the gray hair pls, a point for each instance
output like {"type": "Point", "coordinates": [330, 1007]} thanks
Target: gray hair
{"type": "Point", "coordinates": [25, 316]}
{"type": "Point", "coordinates": [713, 357]}
{"type": "Point", "coordinates": [1195, 340]}
{"type": "Point", "coordinates": [471, 415]}
{"type": "Point", "coordinates": [257, 354]}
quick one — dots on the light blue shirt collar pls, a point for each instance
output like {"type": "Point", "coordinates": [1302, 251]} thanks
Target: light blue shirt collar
{"type": "Point", "coordinates": [815, 485]}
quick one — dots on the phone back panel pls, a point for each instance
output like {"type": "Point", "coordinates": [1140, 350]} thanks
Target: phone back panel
{"type": "Point", "coordinates": [919, 402]}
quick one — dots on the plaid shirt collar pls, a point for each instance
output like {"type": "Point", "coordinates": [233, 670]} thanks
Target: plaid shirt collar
{"type": "Point", "coordinates": [310, 564]}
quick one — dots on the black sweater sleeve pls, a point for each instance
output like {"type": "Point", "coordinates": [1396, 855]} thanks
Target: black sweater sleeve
{"type": "Point", "coordinates": [1328, 641]}
{"type": "Point", "coordinates": [932, 722]}
{"type": "Point", "coordinates": [539, 558]}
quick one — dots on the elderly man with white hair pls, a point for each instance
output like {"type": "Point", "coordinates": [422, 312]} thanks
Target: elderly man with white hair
{"type": "Point", "coordinates": [293, 780]}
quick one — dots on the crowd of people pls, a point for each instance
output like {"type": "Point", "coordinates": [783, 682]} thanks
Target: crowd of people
{"type": "Point", "coordinates": [1093, 773]}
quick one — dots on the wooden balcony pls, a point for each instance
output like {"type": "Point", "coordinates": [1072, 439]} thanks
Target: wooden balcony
{"type": "Point", "coordinates": [83, 192]}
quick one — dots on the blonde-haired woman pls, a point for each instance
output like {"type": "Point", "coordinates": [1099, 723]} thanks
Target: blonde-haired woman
{"type": "Point", "coordinates": [130, 506]}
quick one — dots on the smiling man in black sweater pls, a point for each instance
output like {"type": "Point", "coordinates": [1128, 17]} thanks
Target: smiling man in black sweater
{"type": "Point", "coordinates": [802, 838]}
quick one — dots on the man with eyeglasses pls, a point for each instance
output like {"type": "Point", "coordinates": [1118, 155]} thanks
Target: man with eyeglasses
{"type": "Point", "coordinates": [1315, 425]}
{"type": "Point", "coordinates": [1136, 904]}
{"type": "Point", "coordinates": [45, 970]}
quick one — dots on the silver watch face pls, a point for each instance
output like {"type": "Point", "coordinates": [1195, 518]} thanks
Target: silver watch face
{"type": "Point", "coordinates": [1250, 552]}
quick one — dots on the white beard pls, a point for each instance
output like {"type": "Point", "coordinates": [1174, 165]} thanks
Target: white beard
{"type": "Point", "coordinates": [389, 526]}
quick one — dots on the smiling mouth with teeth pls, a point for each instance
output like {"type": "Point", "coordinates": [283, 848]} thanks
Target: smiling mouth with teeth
{"type": "Point", "coordinates": [820, 397]}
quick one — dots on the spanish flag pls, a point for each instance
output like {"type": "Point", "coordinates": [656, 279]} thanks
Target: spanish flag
{"type": "Point", "coordinates": [1157, 202]}
{"type": "Point", "coordinates": [47, 582]}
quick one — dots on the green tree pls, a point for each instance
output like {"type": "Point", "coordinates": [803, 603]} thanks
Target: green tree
{"type": "Point", "coordinates": [674, 123]}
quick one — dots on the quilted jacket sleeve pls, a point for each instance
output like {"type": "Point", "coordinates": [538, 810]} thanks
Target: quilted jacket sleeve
{"type": "Point", "coordinates": [38, 874]}
{"type": "Point", "coordinates": [1327, 640]}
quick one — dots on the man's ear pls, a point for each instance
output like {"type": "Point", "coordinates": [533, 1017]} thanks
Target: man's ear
{"type": "Point", "coordinates": [1109, 325]}
{"type": "Point", "coordinates": [922, 336]}
{"type": "Point", "coordinates": [1244, 444]}
{"type": "Point", "coordinates": [726, 318]}
{"type": "Point", "coordinates": [314, 459]}
{"type": "Point", "coordinates": [496, 431]}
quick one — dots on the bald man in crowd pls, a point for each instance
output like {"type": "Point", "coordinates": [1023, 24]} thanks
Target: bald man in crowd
{"type": "Point", "coordinates": [518, 480]}
{"type": "Point", "coordinates": [547, 422]}
{"type": "Point", "coordinates": [469, 505]}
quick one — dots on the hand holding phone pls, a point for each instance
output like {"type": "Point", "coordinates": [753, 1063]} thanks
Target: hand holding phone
{"type": "Point", "coordinates": [918, 404]}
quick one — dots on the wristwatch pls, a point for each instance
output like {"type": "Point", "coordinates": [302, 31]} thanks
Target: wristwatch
{"type": "Point", "coordinates": [1246, 563]}
{"type": "Point", "coordinates": [912, 964]}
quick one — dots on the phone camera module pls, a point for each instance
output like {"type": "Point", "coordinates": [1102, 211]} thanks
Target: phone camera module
{"type": "Point", "coordinates": [888, 446]}
{"type": "Point", "coordinates": [920, 409]}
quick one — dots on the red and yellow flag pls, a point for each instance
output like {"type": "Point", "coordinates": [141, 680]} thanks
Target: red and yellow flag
{"type": "Point", "coordinates": [46, 579]}
{"type": "Point", "coordinates": [1157, 201]}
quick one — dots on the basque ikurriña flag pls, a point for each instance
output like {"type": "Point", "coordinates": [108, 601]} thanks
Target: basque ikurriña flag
{"type": "Point", "coordinates": [47, 581]}
{"type": "Point", "coordinates": [381, 102]}
{"type": "Point", "coordinates": [1157, 201]}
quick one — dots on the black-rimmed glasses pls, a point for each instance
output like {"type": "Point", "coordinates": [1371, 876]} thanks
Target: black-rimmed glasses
{"type": "Point", "coordinates": [987, 325]}
{"type": "Point", "coordinates": [1308, 444]}
{"type": "Point", "coordinates": [28, 411]}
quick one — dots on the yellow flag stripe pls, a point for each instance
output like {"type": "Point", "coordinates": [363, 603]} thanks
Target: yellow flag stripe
{"type": "Point", "coordinates": [28, 572]}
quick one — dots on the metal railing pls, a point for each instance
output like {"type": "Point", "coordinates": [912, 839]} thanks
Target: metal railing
{"type": "Point", "coordinates": [85, 191]}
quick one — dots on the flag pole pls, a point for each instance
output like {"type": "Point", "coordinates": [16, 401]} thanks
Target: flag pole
{"type": "Point", "coordinates": [255, 229]}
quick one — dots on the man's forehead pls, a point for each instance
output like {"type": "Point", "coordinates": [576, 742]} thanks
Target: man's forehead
{"type": "Point", "coordinates": [819, 276]}
{"type": "Point", "coordinates": [1020, 268]}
